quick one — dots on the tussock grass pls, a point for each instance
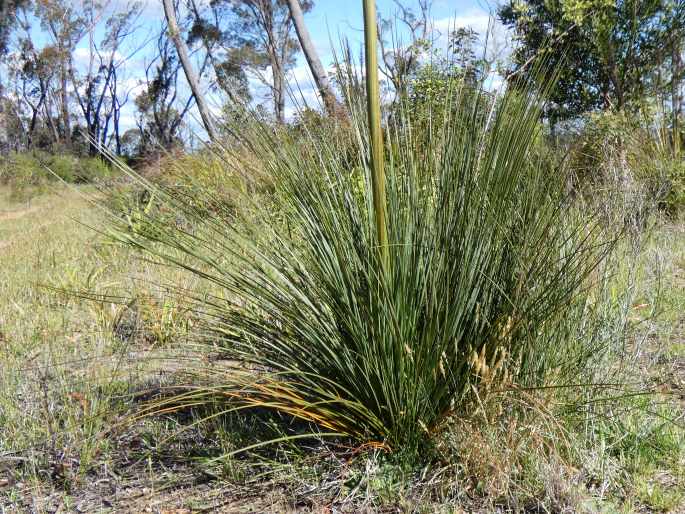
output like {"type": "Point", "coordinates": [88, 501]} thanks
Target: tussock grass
{"type": "Point", "coordinates": [490, 271]}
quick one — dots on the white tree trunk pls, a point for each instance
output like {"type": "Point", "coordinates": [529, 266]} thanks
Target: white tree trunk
{"type": "Point", "coordinates": [193, 82]}
{"type": "Point", "coordinates": [317, 69]}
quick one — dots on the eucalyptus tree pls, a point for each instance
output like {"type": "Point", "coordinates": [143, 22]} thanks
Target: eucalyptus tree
{"type": "Point", "coordinates": [401, 58]}
{"type": "Point", "coordinates": [32, 77]}
{"type": "Point", "coordinates": [309, 49]}
{"type": "Point", "coordinates": [32, 91]}
{"type": "Point", "coordinates": [607, 53]}
{"type": "Point", "coordinates": [191, 76]}
{"type": "Point", "coordinates": [266, 44]}
{"type": "Point", "coordinates": [9, 10]}
{"type": "Point", "coordinates": [65, 24]}
{"type": "Point", "coordinates": [97, 89]}
{"type": "Point", "coordinates": [207, 26]}
{"type": "Point", "coordinates": [162, 105]}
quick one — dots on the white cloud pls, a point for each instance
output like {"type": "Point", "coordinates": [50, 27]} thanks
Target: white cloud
{"type": "Point", "coordinates": [151, 9]}
{"type": "Point", "coordinates": [82, 56]}
{"type": "Point", "coordinates": [476, 19]}
{"type": "Point", "coordinates": [303, 90]}
{"type": "Point", "coordinates": [127, 121]}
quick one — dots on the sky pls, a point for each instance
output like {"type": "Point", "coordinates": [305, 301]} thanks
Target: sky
{"type": "Point", "coordinates": [332, 20]}
{"type": "Point", "coordinates": [329, 20]}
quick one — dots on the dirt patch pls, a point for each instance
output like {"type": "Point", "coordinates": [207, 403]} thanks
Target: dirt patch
{"type": "Point", "coordinates": [169, 487]}
{"type": "Point", "coordinates": [106, 496]}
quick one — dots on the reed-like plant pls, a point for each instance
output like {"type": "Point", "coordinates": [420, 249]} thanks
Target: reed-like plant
{"type": "Point", "coordinates": [490, 269]}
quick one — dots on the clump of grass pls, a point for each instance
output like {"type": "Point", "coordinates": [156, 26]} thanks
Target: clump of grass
{"type": "Point", "coordinates": [487, 278]}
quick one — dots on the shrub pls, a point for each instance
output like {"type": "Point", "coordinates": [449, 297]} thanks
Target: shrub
{"type": "Point", "coordinates": [674, 200]}
{"type": "Point", "coordinates": [23, 174]}
{"type": "Point", "coordinates": [627, 157]}
{"type": "Point", "coordinates": [90, 169]}
{"type": "Point", "coordinates": [35, 170]}
{"type": "Point", "coordinates": [487, 278]}
{"type": "Point", "coordinates": [20, 169]}
{"type": "Point", "coordinates": [61, 165]}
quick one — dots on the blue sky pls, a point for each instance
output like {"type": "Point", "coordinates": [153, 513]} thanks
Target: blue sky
{"type": "Point", "coordinates": [330, 19]}
{"type": "Point", "coordinates": [346, 15]}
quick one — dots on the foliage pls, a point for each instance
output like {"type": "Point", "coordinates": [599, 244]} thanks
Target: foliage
{"type": "Point", "coordinates": [386, 358]}
{"type": "Point", "coordinates": [610, 52]}
{"type": "Point", "coordinates": [160, 117]}
{"type": "Point", "coordinates": [674, 202]}
{"type": "Point", "coordinates": [433, 82]}
{"type": "Point", "coordinates": [623, 154]}
{"type": "Point", "coordinates": [8, 10]}
{"type": "Point", "coordinates": [27, 171]}
{"type": "Point", "coordinates": [400, 59]}
{"type": "Point", "coordinates": [430, 82]}
{"type": "Point", "coordinates": [50, 87]}
{"type": "Point", "coordinates": [264, 43]}
{"type": "Point", "coordinates": [220, 43]}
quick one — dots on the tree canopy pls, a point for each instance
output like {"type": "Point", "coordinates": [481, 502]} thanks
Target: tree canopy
{"type": "Point", "coordinates": [609, 53]}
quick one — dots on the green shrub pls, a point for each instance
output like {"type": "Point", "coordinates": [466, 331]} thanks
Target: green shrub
{"type": "Point", "coordinates": [18, 168]}
{"type": "Point", "coordinates": [487, 278]}
{"type": "Point", "coordinates": [23, 174]}
{"type": "Point", "coordinates": [92, 169]}
{"type": "Point", "coordinates": [674, 199]}
{"type": "Point", "coordinates": [628, 157]}
{"type": "Point", "coordinates": [37, 169]}
{"type": "Point", "coordinates": [64, 166]}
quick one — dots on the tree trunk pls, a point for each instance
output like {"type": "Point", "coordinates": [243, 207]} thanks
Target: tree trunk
{"type": "Point", "coordinates": [675, 95]}
{"type": "Point", "coordinates": [51, 122]}
{"type": "Point", "coordinates": [32, 125]}
{"type": "Point", "coordinates": [279, 91]}
{"type": "Point", "coordinates": [182, 50]}
{"type": "Point", "coordinates": [64, 97]}
{"type": "Point", "coordinates": [318, 72]}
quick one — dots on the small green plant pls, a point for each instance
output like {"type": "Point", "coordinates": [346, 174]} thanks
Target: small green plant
{"type": "Point", "coordinates": [674, 200]}
{"type": "Point", "coordinates": [91, 169]}
{"type": "Point", "coordinates": [627, 158]}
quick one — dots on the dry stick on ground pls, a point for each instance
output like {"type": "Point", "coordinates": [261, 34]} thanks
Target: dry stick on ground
{"type": "Point", "coordinates": [175, 34]}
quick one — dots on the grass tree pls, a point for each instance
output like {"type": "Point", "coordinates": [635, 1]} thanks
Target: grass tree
{"type": "Point", "coordinates": [374, 323]}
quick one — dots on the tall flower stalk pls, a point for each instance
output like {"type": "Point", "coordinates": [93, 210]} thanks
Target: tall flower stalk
{"type": "Point", "coordinates": [373, 103]}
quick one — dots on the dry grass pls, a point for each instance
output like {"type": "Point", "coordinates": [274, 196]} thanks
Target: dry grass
{"type": "Point", "coordinates": [64, 368]}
